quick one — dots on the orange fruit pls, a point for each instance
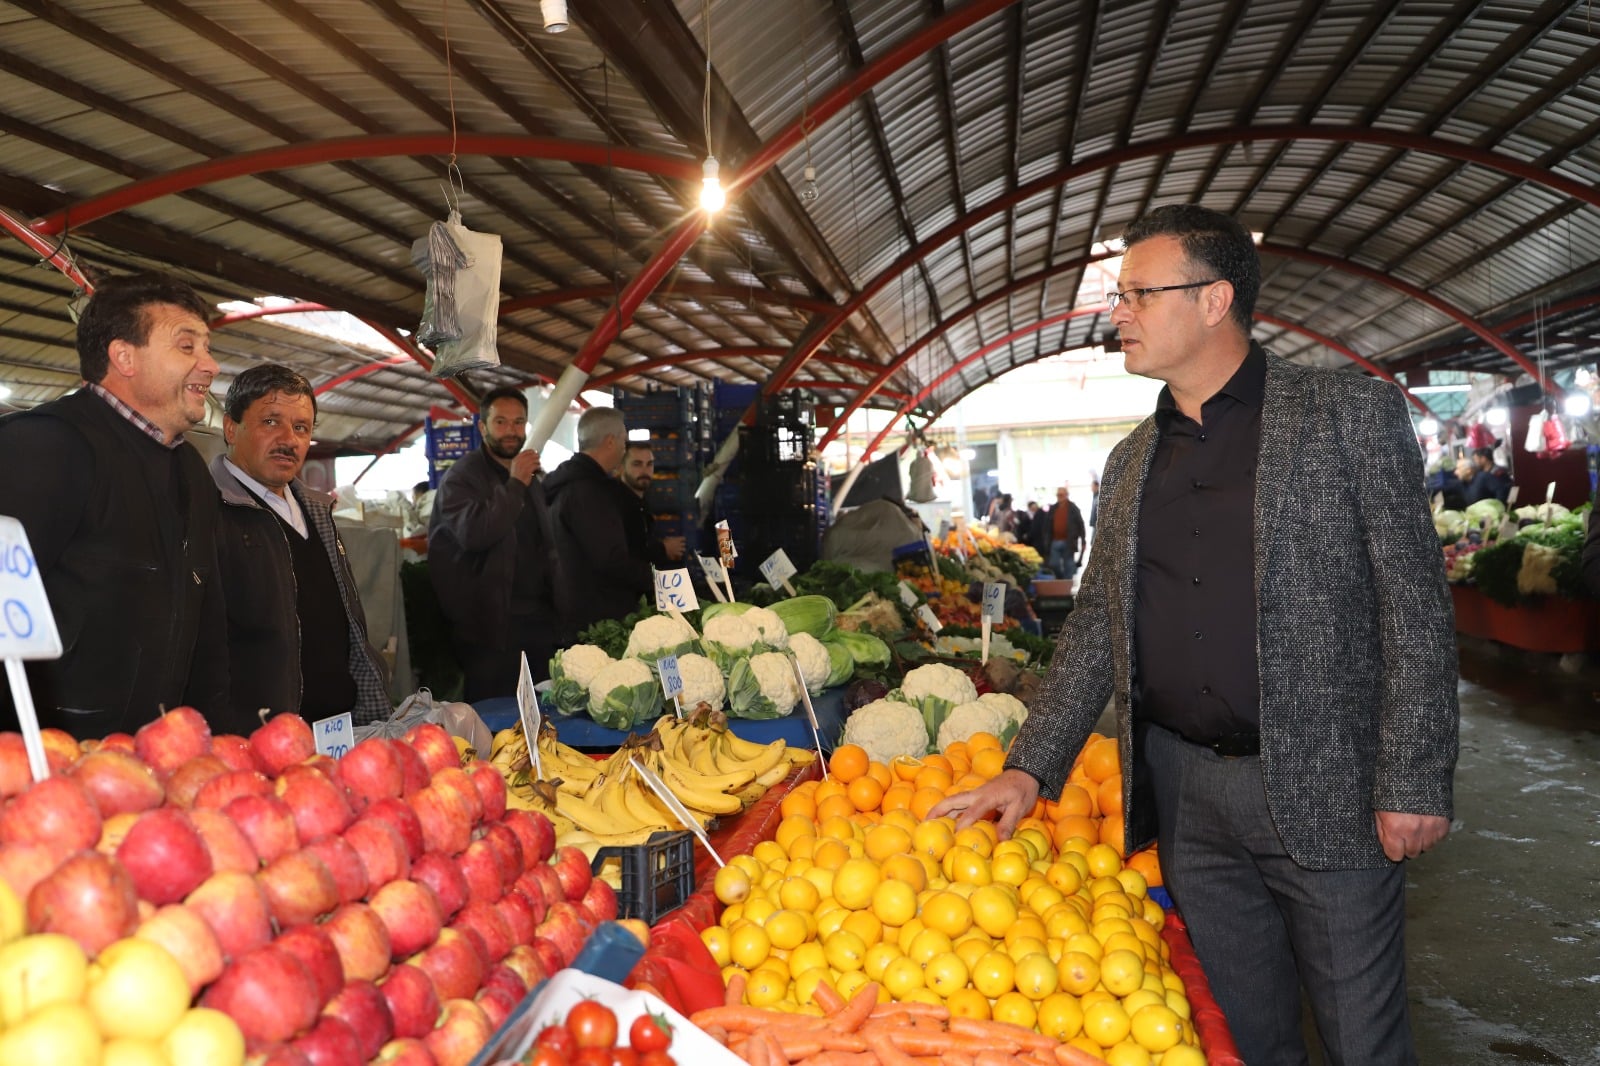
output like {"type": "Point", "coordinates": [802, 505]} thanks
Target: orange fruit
{"type": "Point", "coordinates": [848, 762]}
{"type": "Point", "coordinates": [798, 803]}
{"type": "Point", "coordinates": [989, 762]}
{"type": "Point", "coordinates": [1148, 865]}
{"type": "Point", "coordinates": [866, 793]}
{"type": "Point", "coordinates": [880, 773]}
{"type": "Point", "coordinates": [1109, 796]}
{"type": "Point", "coordinates": [837, 806]}
{"type": "Point", "coordinates": [1074, 826]}
{"type": "Point", "coordinates": [933, 777]}
{"type": "Point", "coordinates": [897, 797]}
{"type": "Point", "coordinates": [924, 801]}
{"type": "Point", "coordinates": [968, 782]}
{"type": "Point", "coordinates": [1111, 832]}
{"type": "Point", "coordinates": [904, 767]}
{"type": "Point", "coordinates": [830, 787]}
{"type": "Point", "coordinates": [958, 749]}
{"type": "Point", "coordinates": [1100, 760]}
{"type": "Point", "coordinates": [981, 741]}
{"type": "Point", "coordinates": [938, 761]}
{"type": "Point", "coordinates": [1073, 801]}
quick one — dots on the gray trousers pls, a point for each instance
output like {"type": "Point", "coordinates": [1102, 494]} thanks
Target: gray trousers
{"type": "Point", "coordinates": [1263, 926]}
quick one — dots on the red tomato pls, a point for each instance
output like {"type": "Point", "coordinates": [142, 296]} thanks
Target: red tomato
{"type": "Point", "coordinates": [624, 1056]}
{"type": "Point", "coordinates": [650, 1032]}
{"type": "Point", "coordinates": [544, 1055]}
{"type": "Point", "coordinates": [593, 1025]}
{"type": "Point", "coordinates": [558, 1038]}
{"type": "Point", "coordinates": [591, 1056]}
{"type": "Point", "coordinates": [657, 1058]}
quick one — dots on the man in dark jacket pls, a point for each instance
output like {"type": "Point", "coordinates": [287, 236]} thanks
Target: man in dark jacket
{"type": "Point", "coordinates": [1490, 482]}
{"type": "Point", "coordinates": [599, 578]}
{"type": "Point", "coordinates": [638, 470]}
{"type": "Point", "coordinates": [297, 636]}
{"type": "Point", "coordinates": [490, 554]}
{"type": "Point", "coordinates": [1059, 535]}
{"type": "Point", "coordinates": [121, 514]}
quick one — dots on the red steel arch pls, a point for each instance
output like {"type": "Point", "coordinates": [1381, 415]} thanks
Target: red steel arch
{"type": "Point", "coordinates": [694, 290]}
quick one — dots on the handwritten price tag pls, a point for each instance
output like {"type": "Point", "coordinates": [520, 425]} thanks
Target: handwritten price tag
{"type": "Point", "coordinates": [908, 595]}
{"type": "Point", "coordinates": [528, 710]}
{"type": "Point", "coordinates": [671, 678]}
{"type": "Point", "coordinates": [778, 569]}
{"type": "Point", "coordinates": [713, 568]}
{"type": "Point", "coordinates": [675, 591]}
{"type": "Point", "coordinates": [929, 619]}
{"type": "Point", "coordinates": [27, 625]}
{"type": "Point", "coordinates": [335, 735]}
{"type": "Point", "coordinates": [994, 602]}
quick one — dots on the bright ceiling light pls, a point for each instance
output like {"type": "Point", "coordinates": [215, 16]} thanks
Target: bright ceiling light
{"type": "Point", "coordinates": [5, 392]}
{"type": "Point", "coordinates": [968, 454]}
{"type": "Point", "coordinates": [1497, 416]}
{"type": "Point", "coordinates": [1577, 404]}
{"type": "Point", "coordinates": [555, 15]}
{"type": "Point", "coordinates": [712, 196]}
{"type": "Point", "coordinates": [1428, 427]}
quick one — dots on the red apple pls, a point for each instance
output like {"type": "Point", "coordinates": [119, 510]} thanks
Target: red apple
{"type": "Point", "coordinates": [600, 901]}
{"type": "Point", "coordinates": [506, 980]}
{"type": "Point", "coordinates": [572, 867]}
{"type": "Point", "coordinates": [187, 780]}
{"type": "Point", "coordinates": [407, 1052]}
{"type": "Point", "coordinates": [480, 865]}
{"type": "Point", "coordinates": [345, 865]}
{"type": "Point", "coordinates": [278, 1055]}
{"type": "Point", "coordinates": [269, 993]}
{"type": "Point", "coordinates": [189, 940]}
{"type": "Point", "coordinates": [236, 909]}
{"type": "Point", "coordinates": [509, 848]}
{"type": "Point", "coordinates": [550, 957]}
{"type": "Point", "coordinates": [114, 830]}
{"type": "Point", "coordinates": [24, 865]}
{"type": "Point", "coordinates": [372, 771]}
{"type": "Point", "coordinates": [487, 920]}
{"type": "Point", "coordinates": [517, 913]}
{"type": "Point", "coordinates": [462, 1031]}
{"type": "Point", "coordinates": [172, 740]}
{"type": "Point", "coordinates": [299, 888]}
{"type": "Point", "coordinates": [475, 938]}
{"type": "Point", "coordinates": [414, 772]}
{"type": "Point", "coordinates": [226, 843]}
{"type": "Point", "coordinates": [233, 750]}
{"type": "Point", "coordinates": [430, 741]}
{"type": "Point", "coordinates": [455, 779]}
{"type": "Point", "coordinates": [314, 948]}
{"type": "Point", "coordinates": [527, 963]}
{"type": "Point", "coordinates": [491, 786]}
{"type": "Point", "coordinates": [362, 941]}
{"type": "Point", "coordinates": [285, 740]}
{"type": "Point", "coordinates": [15, 773]}
{"type": "Point", "coordinates": [380, 849]}
{"type": "Point", "coordinates": [567, 926]}
{"type": "Point", "coordinates": [453, 963]}
{"type": "Point", "coordinates": [57, 811]}
{"type": "Point", "coordinates": [61, 749]}
{"type": "Point", "coordinates": [89, 898]}
{"type": "Point", "coordinates": [116, 781]}
{"type": "Point", "coordinates": [224, 788]}
{"type": "Point", "coordinates": [117, 742]}
{"type": "Point", "coordinates": [445, 819]}
{"type": "Point", "coordinates": [549, 884]}
{"type": "Point", "coordinates": [413, 1003]}
{"type": "Point", "coordinates": [165, 856]}
{"type": "Point", "coordinates": [538, 836]}
{"type": "Point", "coordinates": [497, 1005]}
{"type": "Point", "coordinates": [410, 912]}
{"type": "Point", "coordinates": [444, 876]}
{"type": "Point", "coordinates": [361, 1003]}
{"type": "Point", "coordinates": [530, 888]}
{"type": "Point", "coordinates": [319, 806]}
{"type": "Point", "coordinates": [332, 1041]}
{"type": "Point", "coordinates": [399, 814]}
{"type": "Point", "coordinates": [267, 822]}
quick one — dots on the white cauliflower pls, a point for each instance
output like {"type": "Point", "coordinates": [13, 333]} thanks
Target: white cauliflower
{"type": "Point", "coordinates": [813, 659]}
{"type": "Point", "coordinates": [939, 681]}
{"type": "Point", "coordinates": [966, 719]}
{"type": "Point", "coordinates": [702, 682]}
{"type": "Point", "coordinates": [774, 633]}
{"type": "Point", "coordinates": [623, 693]}
{"type": "Point", "coordinates": [886, 728]}
{"type": "Point", "coordinates": [1014, 710]}
{"type": "Point", "coordinates": [582, 661]}
{"type": "Point", "coordinates": [730, 638]}
{"type": "Point", "coordinates": [762, 686]}
{"type": "Point", "coordinates": [658, 635]}
{"type": "Point", "coordinates": [571, 670]}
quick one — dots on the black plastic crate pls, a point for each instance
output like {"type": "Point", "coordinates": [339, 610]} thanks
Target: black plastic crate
{"type": "Point", "coordinates": [657, 876]}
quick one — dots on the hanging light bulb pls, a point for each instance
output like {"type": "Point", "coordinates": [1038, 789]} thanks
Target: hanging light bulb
{"type": "Point", "coordinates": [1497, 416]}
{"type": "Point", "coordinates": [1577, 405]}
{"type": "Point", "coordinates": [555, 15]}
{"type": "Point", "coordinates": [712, 198]}
{"type": "Point", "coordinates": [808, 184]}
{"type": "Point", "coordinates": [1428, 427]}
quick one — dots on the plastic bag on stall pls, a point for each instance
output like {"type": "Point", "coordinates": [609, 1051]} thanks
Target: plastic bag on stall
{"type": "Point", "coordinates": [1534, 441]}
{"type": "Point", "coordinates": [458, 719]}
{"type": "Point", "coordinates": [461, 306]}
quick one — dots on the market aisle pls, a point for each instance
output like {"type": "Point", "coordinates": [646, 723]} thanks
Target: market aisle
{"type": "Point", "coordinates": [1504, 930]}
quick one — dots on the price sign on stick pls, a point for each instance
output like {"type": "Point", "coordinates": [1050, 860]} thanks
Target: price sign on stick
{"type": "Point", "coordinates": [671, 681]}
{"type": "Point", "coordinates": [1508, 528]}
{"type": "Point", "coordinates": [528, 708]}
{"type": "Point", "coordinates": [777, 569]}
{"type": "Point", "coordinates": [675, 591]}
{"type": "Point", "coordinates": [334, 735]}
{"type": "Point", "coordinates": [994, 611]}
{"type": "Point", "coordinates": [27, 631]}
{"type": "Point", "coordinates": [811, 712]}
{"type": "Point", "coordinates": [673, 804]}
{"type": "Point", "coordinates": [908, 595]}
{"type": "Point", "coordinates": [714, 572]}
{"type": "Point", "coordinates": [929, 619]}
{"type": "Point", "coordinates": [728, 553]}
{"type": "Point", "coordinates": [1549, 498]}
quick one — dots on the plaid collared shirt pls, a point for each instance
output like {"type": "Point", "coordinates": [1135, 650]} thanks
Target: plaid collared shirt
{"type": "Point", "coordinates": [144, 425]}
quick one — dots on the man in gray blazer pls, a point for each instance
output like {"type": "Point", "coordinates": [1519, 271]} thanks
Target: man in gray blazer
{"type": "Point", "coordinates": [1267, 607]}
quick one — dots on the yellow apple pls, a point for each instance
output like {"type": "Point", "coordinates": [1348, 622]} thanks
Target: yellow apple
{"type": "Point", "coordinates": [126, 1052]}
{"type": "Point", "coordinates": [37, 971]}
{"type": "Point", "coordinates": [13, 917]}
{"type": "Point", "coordinates": [62, 1034]}
{"type": "Point", "coordinates": [204, 1037]}
{"type": "Point", "coordinates": [136, 989]}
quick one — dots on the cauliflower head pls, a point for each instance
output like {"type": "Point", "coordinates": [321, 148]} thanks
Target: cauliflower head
{"type": "Point", "coordinates": [702, 682]}
{"type": "Point", "coordinates": [966, 719]}
{"type": "Point", "coordinates": [886, 728]}
{"type": "Point", "coordinates": [730, 638]}
{"type": "Point", "coordinates": [658, 635]}
{"type": "Point", "coordinates": [762, 686]}
{"type": "Point", "coordinates": [935, 689]}
{"type": "Point", "coordinates": [812, 656]}
{"type": "Point", "coordinates": [623, 693]}
{"type": "Point", "coordinates": [774, 633]}
{"type": "Point", "coordinates": [571, 670]}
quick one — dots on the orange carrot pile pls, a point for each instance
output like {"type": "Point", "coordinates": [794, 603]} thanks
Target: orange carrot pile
{"type": "Point", "coordinates": [864, 1032]}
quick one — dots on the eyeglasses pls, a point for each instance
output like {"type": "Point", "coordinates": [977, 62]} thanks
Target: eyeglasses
{"type": "Point", "coordinates": [1136, 297]}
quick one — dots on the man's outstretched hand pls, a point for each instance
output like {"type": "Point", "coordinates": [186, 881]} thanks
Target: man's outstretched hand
{"type": "Point", "coordinates": [1011, 796]}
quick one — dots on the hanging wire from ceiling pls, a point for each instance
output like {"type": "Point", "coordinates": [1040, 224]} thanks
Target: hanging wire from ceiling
{"type": "Point", "coordinates": [808, 183]}
{"type": "Point", "coordinates": [452, 172]}
{"type": "Point", "coordinates": [712, 197]}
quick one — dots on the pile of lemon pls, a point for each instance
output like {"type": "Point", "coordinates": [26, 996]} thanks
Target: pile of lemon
{"type": "Point", "coordinates": [1065, 942]}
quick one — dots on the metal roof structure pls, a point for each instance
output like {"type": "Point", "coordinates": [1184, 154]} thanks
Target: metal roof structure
{"type": "Point", "coordinates": [1422, 173]}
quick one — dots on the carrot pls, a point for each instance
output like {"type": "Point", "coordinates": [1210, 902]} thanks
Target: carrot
{"type": "Point", "coordinates": [956, 1058]}
{"type": "Point", "coordinates": [896, 1020]}
{"type": "Point", "coordinates": [735, 993]}
{"type": "Point", "coordinates": [850, 1017]}
{"type": "Point", "coordinates": [920, 1042]}
{"type": "Point", "coordinates": [756, 1054]}
{"type": "Point", "coordinates": [925, 1010]}
{"type": "Point", "coordinates": [1037, 1058]}
{"type": "Point", "coordinates": [1014, 1034]}
{"type": "Point", "coordinates": [1067, 1055]}
{"type": "Point", "coordinates": [775, 1054]}
{"type": "Point", "coordinates": [717, 1033]}
{"type": "Point", "coordinates": [824, 1039]}
{"type": "Point", "coordinates": [843, 1058]}
{"type": "Point", "coordinates": [749, 1019]}
{"type": "Point", "coordinates": [828, 998]}
{"type": "Point", "coordinates": [881, 1045]}
{"type": "Point", "coordinates": [991, 1057]}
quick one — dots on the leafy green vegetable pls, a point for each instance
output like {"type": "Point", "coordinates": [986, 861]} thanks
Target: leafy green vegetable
{"type": "Point", "coordinates": [610, 634]}
{"type": "Point", "coordinates": [1039, 649]}
{"type": "Point", "coordinates": [864, 648]}
{"type": "Point", "coordinates": [840, 583]}
{"type": "Point", "coordinates": [841, 664]}
{"type": "Point", "coordinates": [812, 614]}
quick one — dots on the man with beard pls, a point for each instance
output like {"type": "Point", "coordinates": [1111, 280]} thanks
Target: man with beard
{"type": "Point", "coordinates": [121, 515]}
{"type": "Point", "coordinates": [490, 554]}
{"type": "Point", "coordinates": [638, 468]}
{"type": "Point", "coordinates": [297, 636]}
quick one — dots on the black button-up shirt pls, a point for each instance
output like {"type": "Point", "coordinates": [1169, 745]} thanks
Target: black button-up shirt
{"type": "Point", "coordinates": [1195, 619]}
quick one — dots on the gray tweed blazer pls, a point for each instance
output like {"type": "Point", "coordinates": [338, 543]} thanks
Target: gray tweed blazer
{"type": "Point", "coordinates": [1355, 629]}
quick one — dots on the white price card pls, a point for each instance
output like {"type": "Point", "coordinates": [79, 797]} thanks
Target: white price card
{"type": "Point", "coordinates": [27, 625]}
{"type": "Point", "coordinates": [994, 602]}
{"type": "Point", "coordinates": [674, 804]}
{"type": "Point", "coordinates": [908, 595]}
{"type": "Point", "coordinates": [335, 735]}
{"type": "Point", "coordinates": [778, 569]}
{"type": "Point", "coordinates": [528, 709]}
{"type": "Point", "coordinates": [715, 574]}
{"type": "Point", "coordinates": [675, 591]}
{"type": "Point", "coordinates": [929, 619]}
{"type": "Point", "coordinates": [671, 681]}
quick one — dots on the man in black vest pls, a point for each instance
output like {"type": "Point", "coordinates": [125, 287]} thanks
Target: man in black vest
{"type": "Point", "coordinates": [297, 636]}
{"type": "Point", "coordinates": [121, 515]}
{"type": "Point", "coordinates": [638, 470]}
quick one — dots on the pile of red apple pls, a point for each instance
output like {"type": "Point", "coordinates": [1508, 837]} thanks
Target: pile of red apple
{"type": "Point", "coordinates": [383, 907]}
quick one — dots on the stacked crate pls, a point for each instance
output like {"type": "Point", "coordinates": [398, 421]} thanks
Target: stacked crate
{"type": "Point", "coordinates": [774, 495]}
{"type": "Point", "coordinates": [681, 436]}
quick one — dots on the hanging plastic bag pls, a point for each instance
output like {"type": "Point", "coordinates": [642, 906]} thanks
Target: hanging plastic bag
{"type": "Point", "coordinates": [458, 719]}
{"type": "Point", "coordinates": [1534, 441]}
{"type": "Point", "coordinates": [1554, 437]}
{"type": "Point", "coordinates": [461, 307]}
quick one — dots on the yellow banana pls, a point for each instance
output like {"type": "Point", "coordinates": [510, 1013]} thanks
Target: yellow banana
{"type": "Point", "coordinates": [768, 756]}
{"type": "Point", "coordinates": [698, 795]}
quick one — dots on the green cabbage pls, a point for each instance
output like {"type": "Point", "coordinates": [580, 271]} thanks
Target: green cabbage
{"type": "Point", "coordinates": [708, 611]}
{"type": "Point", "coordinates": [841, 667]}
{"type": "Point", "coordinates": [1490, 510]}
{"type": "Point", "coordinates": [863, 647]}
{"type": "Point", "coordinates": [807, 614]}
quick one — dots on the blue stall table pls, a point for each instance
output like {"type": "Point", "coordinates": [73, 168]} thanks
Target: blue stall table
{"type": "Point", "coordinates": [501, 713]}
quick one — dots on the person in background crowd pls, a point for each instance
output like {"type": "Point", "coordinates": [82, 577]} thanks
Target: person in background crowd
{"type": "Point", "coordinates": [1094, 503]}
{"type": "Point", "coordinates": [1025, 519]}
{"type": "Point", "coordinates": [121, 516]}
{"type": "Point", "coordinates": [1282, 659]}
{"type": "Point", "coordinates": [1064, 532]}
{"type": "Point", "coordinates": [1446, 481]}
{"type": "Point", "coordinates": [600, 577]}
{"type": "Point", "coordinates": [297, 635]}
{"type": "Point", "coordinates": [491, 554]}
{"type": "Point", "coordinates": [1489, 482]}
{"type": "Point", "coordinates": [1003, 518]}
{"type": "Point", "coordinates": [418, 491]}
{"type": "Point", "coordinates": [638, 469]}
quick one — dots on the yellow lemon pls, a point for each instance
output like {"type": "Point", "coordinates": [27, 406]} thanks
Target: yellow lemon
{"type": "Point", "coordinates": [808, 956]}
{"type": "Point", "coordinates": [934, 839]}
{"type": "Point", "coordinates": [749, 945]}
{"type": "Point", "coordinates": [948, 913]}
{"type": "Point", "coordinates": [1060, 1017]}
{"type": "Point", "coordinates": [968, 1003]}
{"type": "Point", "coordinates": [865, 925]}
{"type": "Point", "coordinates": [798, 894]}
{"type": "Point", "coordinates": [830, 854]}
{"type": "Point", "coordinates": [902, 977]}
{"type": "Point", "coordinates": [1183, 1055]}
{"type": "Point", "coordinates": [1078, 973]}
{"type": "Point", "coordinates": [1103, 860]}
{"type": "Point", "coordinates": [855, 881]}
{"type": "Point", "coordinates": [894, 903]}
{"type": "Point", "coordinates": [994, 909]}
{"type": "Point", "coordinates": [1105, 1022]}
{"type": "Point", "coordinates": [878, 958]}
{"type": "Point", "coordinates": [845, 952]}
{"type": "Point", "coordinates": [1010, 869]}
{"type": "Point", "coordinates": [1036, 977]}
{"type": "Point", "coordinates": [906, 868]}
{"type": "Point", "coordinates": [976, 839]}
{"type": "Point", "coordinates": [717, 942]}
{"type": "Point", "coordinates": [884, 840]}
{"type": "Point", "coordinates": [971, 950]}
{"type": "Point", "coordinates": [926, 944]}
{"type": "Point", "coordinates": [822, 877]}
{"type": "Point", "coordinates": [945, 973]}
{"type": "Point", "coordinates": [1127, 1053]}
{"type": "Point", "coordinates": [787, 929]}
{"type": "Point", "coordinates": [994, 974]}
{"type": "Point", "coordinates": [1122, 972]}
{"type": "Point", "coordinates": [765, 987]}
{"type": "Point", "coordinates": [1016, 1008]}
{"type": "Point", "coordinates": [805, 984]}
